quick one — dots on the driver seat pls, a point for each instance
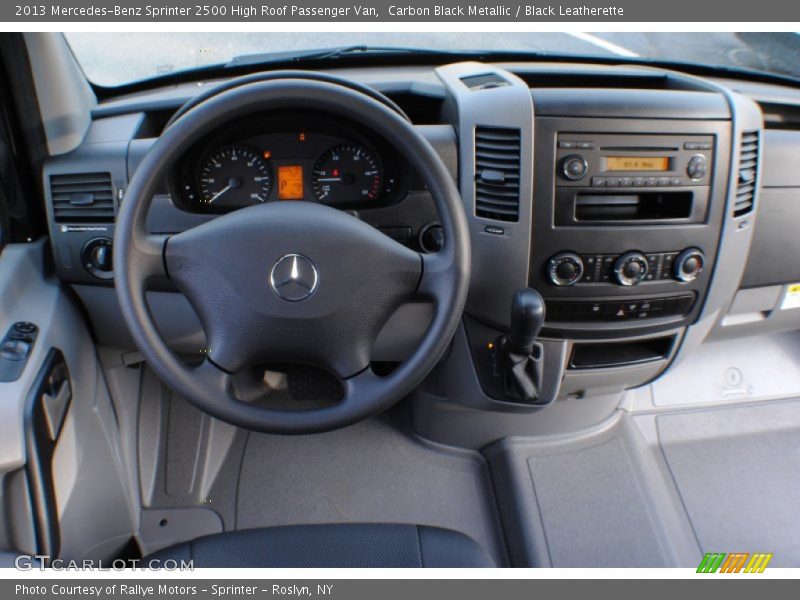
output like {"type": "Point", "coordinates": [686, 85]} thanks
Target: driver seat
{"type": "Point", "coordinates": [330, 546]}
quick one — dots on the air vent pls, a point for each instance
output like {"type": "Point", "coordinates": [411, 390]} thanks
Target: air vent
{"type": "Point", "coordinates": [82, 198]}
{"type": "Point", "coordinates": [748, 167]}
{"type": "Point", "coordinates": [486, 81]}
{"type": "Point", "coordinates": [497, 167]}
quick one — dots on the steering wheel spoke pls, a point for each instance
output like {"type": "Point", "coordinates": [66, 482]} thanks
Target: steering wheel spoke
{"type": "Point", "coordinates": [150, 248]}
{"type": "Point", "coordinates": [435, 280]}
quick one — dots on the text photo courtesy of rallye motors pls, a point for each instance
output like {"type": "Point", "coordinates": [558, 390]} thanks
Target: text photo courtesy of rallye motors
{"type": "Point", "coordinates": [170, 589]}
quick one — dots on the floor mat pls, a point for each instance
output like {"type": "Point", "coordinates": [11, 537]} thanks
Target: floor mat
{"type": "Point", "coordinates": [738, 473]}
{"type": "Point", "coordinates": [370, 472]}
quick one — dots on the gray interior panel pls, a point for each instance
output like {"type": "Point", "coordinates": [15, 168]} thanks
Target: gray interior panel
{"type": "Point", "coordinates": [567, 484]}
{"type": "Point", "coordinates": [192, 465]}
{"type": "Point", "coordinates": [738, 472]}
{"type": "Point", "coordinates": [93, 501]}
{"type": "Point", "coordinates": [370, 472]}
{"type": "Point", "coordinates": [600, 500]}
{"type": "Point", "coordinates": [733, 370]}
{"type": "Point", "coordinates": [775, 239]}
{"type": "Point", "coordinates": [758, 311]}
{"type": "Point", "coordinates": [161, 527]}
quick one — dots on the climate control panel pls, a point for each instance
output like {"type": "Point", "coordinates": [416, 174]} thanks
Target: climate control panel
{"type": "Point", "coordinates": [627, 269]}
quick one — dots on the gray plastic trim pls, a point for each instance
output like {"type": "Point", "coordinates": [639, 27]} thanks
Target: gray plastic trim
{"type": "Point", "coordinates": [94, 503]}
{"type": "Point", "coordinates": [627, 103]}
{"type": "Point", "coordinates": [601, 498]}
{"type": "Point", "coordinates": [65, 98]}
{"type": "Point", "coordinates": [499, 262]}
{"type": "Point", "coordinates": [736, 235]}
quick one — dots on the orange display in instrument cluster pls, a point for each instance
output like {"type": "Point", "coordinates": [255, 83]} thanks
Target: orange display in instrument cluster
{"type": "Point", "coordinates": [290, 182]}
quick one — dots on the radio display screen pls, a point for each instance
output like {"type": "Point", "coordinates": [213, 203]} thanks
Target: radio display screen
{"type": "Point", "coordinates": [637, 163]}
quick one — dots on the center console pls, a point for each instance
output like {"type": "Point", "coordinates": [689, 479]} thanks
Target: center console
{"type": "Point", "coordinates": [631, 223]}
{"type": "Point", "coordinates": [628, 221]}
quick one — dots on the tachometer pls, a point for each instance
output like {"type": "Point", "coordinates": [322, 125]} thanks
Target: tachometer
{"type": "Point", "coordinates": [346, 174]}
{"type": "Point", "coordinates": [234, 177]}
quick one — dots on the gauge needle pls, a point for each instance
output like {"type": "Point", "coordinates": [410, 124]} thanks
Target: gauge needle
{"type": "Point", "coordinates": [233, 184]}
{"type": "Point", "coordinates": [219, 193]}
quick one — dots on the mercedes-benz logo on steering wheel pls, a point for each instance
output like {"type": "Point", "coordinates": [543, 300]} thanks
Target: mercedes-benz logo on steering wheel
{"type": "Point", "coordinates": [294, 277]}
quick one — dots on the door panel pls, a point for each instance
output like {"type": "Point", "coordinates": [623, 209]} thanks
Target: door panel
{"type": "Point", "coordinates": [78, 499]}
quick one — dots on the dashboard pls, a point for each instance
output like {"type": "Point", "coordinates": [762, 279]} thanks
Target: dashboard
{"type": "Point", "coordinates": [643, 205]}
{"type": "Point", "coordinates": [289, 157]}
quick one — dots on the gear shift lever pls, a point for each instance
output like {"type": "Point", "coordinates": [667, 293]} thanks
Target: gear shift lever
{"type": "Point", "coordinates": [527, 317]}
{"type": "Point", "coordinates": [521, 354]}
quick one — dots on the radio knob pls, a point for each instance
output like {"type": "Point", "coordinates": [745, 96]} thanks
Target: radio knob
{"type": "Point", "coordinates": [698, 165]}
{"type": "Point", "coordinates": [574, 167]}
{"type": "Point", "coordinates": [565, 269]}
{"type": "Point", "coordinates": [630, 268]}
{"type": "Point", "coordinates": [689, 264]}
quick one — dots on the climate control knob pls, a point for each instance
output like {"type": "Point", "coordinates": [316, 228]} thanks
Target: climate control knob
{"type": "Point", "coordinates": [689, 264]}
{"type": "Point", "coordinates": [630, 268]}
{"type": "Point", "coordinates": [565, 268]}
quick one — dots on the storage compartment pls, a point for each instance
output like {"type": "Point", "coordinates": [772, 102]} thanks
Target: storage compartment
{"type": "Point", "coordinates": [616, 354]}
{"type": "Point", "coordinates": [776, 245]}
{"type": "Point", "coordinates": [593, 206]}
{"type": "Point", "coordinates": [633, 207]}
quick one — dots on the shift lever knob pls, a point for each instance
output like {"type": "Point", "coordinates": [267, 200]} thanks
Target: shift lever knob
{"type": "Point", "coordinates": [527, 317]}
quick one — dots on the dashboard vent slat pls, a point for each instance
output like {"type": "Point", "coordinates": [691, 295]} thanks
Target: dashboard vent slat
{"type": "Point", "coordinates": [746, 178]}
{"type": "Point", "coordinates": [497, 173]}
{"type": "Point", "coordinates": [82, 198]}
{"type": "Point", "coordinates": [484, 81]}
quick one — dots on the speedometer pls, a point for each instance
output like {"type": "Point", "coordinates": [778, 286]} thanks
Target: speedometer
{"type": "Point", "coordinates": [346, 174]}
{"type": "Point", "coordinates": [234, 177]}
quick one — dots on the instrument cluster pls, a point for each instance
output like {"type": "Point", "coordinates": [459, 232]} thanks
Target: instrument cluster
{"type": "Point", "coordinates": [290, 157]}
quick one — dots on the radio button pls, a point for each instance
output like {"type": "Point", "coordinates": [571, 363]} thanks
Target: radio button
{"type": "Point", "coordinates": [567, 144]}
{"type": "Point", "coordinates": [599, 181]}
{"type": "Point", "coordinates": [639, 182]}
{"type": "Point", "coordinates": [675, 181]}
{"type": "Point", "coordinates": [574, 167]}
{"type": "Point", "coordinates": [586, 145]}
{"type": "Point", "coordinates": [625, 181]}
{"type": "Point", "coordinates": [663, 181]}
{"type": "Point", "coordinates": [612, 181]}
{"type": "Point", "coordinates": [651, 181]}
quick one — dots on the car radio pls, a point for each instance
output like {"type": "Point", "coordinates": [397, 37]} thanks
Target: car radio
{"type": "Point", "coordinates": [627, 222]}
{"type": "Point", "coordinates": [619, 179]}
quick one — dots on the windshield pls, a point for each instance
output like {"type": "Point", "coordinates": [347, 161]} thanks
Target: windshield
{"type": "Point", "coordinates": [113, 59]}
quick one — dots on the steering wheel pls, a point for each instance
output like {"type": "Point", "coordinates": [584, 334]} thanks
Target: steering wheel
{"type": "Point", "coordinates": [290, 282]}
